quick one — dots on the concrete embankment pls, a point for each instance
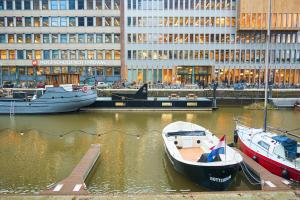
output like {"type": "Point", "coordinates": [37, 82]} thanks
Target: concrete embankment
{"type": "Point", "coordinates": [224, 96]}
{"type": "Point", "coordinates": [240, 195]}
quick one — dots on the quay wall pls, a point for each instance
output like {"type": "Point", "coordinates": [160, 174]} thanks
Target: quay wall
{"type": "Point", "coordinates": [220, 93]}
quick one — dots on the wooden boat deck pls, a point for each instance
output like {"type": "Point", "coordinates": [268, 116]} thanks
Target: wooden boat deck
{"type": "Point", "coordinates": [191, 154]}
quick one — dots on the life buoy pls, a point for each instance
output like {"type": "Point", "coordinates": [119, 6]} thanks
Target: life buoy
{"type": "Point", "coordinates": [84, 89]}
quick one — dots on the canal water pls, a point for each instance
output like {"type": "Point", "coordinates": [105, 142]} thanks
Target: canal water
{"type": "Point", "coordinates": [36, 151]}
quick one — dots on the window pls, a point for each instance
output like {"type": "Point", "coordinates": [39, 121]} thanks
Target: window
{"type": "Point", "coordinates": [3, 55]}
{"type": "Point", "coordinates": [98, 21]}
{"type": "Point", "coordinates": [63, 21]}
{"type": "Point", "coordinates": [20, 54]}
{"type": "Point", "coordinates": [90, 21]}
{"type": "Point", "coordinates": [64, 55]}
{"type": "Point", "coordinates": [63, 4]}
{"type": "Point", "coordinates": [2, 22]}
{"type": "Point", "coordinates": [54, 38]}
{"type": "Point", "coordinates": [55, 54]}
{"type": "Point", "coordinates": [46, 38]}
{"type": "Point", "coordinates": [46, 54]}
{"type": "Point", "coordinates": [116, 5]}
{"type": "Point", "coordinates": [2, 38]}
{"type": "Point", "coordinates": [107, 21]}
{"type": "Point", "coordinates": [28, 38]}
{"type": "Point", "coordinates": [82, 55]}
{"type": "Point", "coordinates": [18, 4]}
{"type": "Point", "coordinates": [116, 38]}
{"type": "Point", "coordinates": [54, 21]}
{"type": "Point", "coordinates": [80, 4]}
{"type": "Point", "coordinates": [27, 5]}
{"type": "Point", "coordinates": [19, 38]}
{"type": "Point", "coordinates": [10, 21]}
{"type": "Point", "coordinates": [90, 38]}
{"type": "Point", "coordinates": [45, 5]}
{"type": "Point", "coordinates": [99, 38]}
{"type": "Point", "coordinates": [9, 4]}
{"type": "Point", "coordinates": [12, 54]}
{"type": "Point", "coordinates": [264, 145]}
{"type": "Point", "coordinates": [36, 21]}
{"type": "Point", "coordinates": [27, 21]}
{"type": "Point", "coordinates": [81, 38]}
{"type": "Point", "coordinates": [63, 38]}
{"type": "Point", "coordinates": [108, 55]}
{"type": "Point", "coordinates": [108, 38]}
{"type": "Point", "coordinates": [37, 38]}
{"type": "Point", "coordinates": [89, 4]}
{"type": "Point", "coordinates": [71, 4]}
{"type": "Point", "coordinates": [98, 4]}
{"type": "Point", "coordinates": [11, 38]}
{"type": "Point", "coordinates": [28, 54]}
{"type": "Point", "coordinates": [80, 21]}
{"type": "Point", "coordinates": [72, 21]}
{"type": "Point", "coordinates": [19, 21]}
{"type": "Point", "coordinates": [54, 4]}
{"type": "Point", "coordinates": [117, 21]}
{"type": "Point", "coordinates": [117, 56]}
{"type": "Point", "coordinates": [91, 55]}
{"type": "Point", "coordinates": [1, 5]}
{"type": "Point", "coordinates": [72, 38]}
{"type": "Point", "coordinates": [37, 54]}
{"type": "Point", "coordinates": [107, 4]}
{"type": "Point", "coordinates": [36, 4]}
{"type": "Point", "coordinates": [45, 21]}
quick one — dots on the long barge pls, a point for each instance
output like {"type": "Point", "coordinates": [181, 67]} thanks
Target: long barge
{"type": "Point", "coordinates": [141, 101]}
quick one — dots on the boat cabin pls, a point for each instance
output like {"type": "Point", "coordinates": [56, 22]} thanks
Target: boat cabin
{"type": "Point", "coordinates": [62, 78]}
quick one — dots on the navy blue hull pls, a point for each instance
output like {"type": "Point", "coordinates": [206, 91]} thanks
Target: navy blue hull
{"type": "Point", "coordinates": [211, 177]}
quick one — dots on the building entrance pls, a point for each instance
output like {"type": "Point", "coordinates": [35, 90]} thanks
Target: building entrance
{"type": "Point", "coordinates": [194, 74]}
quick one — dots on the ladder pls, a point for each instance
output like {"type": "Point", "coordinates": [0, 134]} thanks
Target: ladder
{"type": "Point", "coordinates": [12, 108]}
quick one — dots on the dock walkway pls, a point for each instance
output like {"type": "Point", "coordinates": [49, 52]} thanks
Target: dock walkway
{"type": "Point", "coordinates": [74, 183]}
{"type": "Point", "coordinates": [269, 181]}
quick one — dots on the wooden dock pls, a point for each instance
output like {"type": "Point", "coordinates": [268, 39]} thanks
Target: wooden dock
{"type": "Point", "coordinates": [74, 183]}
{"type": "Point", "coordinates": [269, 181]}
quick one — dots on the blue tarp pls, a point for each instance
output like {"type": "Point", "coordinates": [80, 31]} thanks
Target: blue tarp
{"type": "Point", "coordinates": [290, 145]}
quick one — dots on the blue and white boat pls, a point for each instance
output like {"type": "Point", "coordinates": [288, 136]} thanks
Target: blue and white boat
{"type": "Point", "coordinates": [45, 101]}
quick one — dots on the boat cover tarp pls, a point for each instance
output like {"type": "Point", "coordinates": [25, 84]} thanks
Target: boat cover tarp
{"type": "Point", "coordinates": [290, 145]}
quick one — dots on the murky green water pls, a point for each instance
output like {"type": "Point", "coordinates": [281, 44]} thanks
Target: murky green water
{"type": "Point", "coordinates": [36, 151]}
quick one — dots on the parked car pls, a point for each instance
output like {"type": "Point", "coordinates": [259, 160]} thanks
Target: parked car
{"type": "Point", "coordinates": [102, 85]}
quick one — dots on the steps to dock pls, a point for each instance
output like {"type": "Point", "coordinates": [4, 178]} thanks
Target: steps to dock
{"type": "Point", "coordinates": [74, 183]}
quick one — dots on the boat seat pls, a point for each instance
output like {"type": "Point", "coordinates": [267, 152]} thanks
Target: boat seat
{"type": "Point", "coordinates": [191, 154]}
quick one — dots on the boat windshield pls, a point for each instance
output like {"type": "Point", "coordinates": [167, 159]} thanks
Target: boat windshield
{"type": "Point", "coordinates": [186, 133]}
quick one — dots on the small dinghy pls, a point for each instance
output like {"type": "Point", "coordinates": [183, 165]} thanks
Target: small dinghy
{"type": "Point", "coordinates": [197, 153]}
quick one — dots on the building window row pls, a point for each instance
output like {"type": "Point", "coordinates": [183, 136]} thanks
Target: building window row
{"type": "Point", "coordinates": [155, 38]}
{"type": "Point", "coordinates": [181, 21]}
{"type": "Point", "coordinates": [60, 54]}
{"type": "Point", "coordinates": [60, 38]}
{"type": "Point", "coordinates": [58, 21]}
{"type": "Point", "coordinates": [40, 70]}
{"type": "Point", "coordinates": [59, 4]}
{"type": "Point", "coordinates": [218, 56]}
{"type": "Point", "coordinates": [278, 20]}
{"type": "Point", "coordinates": [241, 38]}
{"type": "Point", "coordinates": [181, 4]}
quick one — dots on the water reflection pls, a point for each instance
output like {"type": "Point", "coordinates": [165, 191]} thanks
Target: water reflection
{"type": "Point", "coordinates": [36, 151]}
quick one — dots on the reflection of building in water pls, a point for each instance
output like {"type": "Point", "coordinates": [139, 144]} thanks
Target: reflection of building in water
{"type": "Point", "coordinates": [191, 41]}
{"type": "Point", "coordinates": [167, 118]}
{"type": "Point", "coordinates": [190, 117]}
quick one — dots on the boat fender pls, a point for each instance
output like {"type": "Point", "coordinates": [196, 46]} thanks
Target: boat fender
{"type": "Point", "coordinates": [254, 158]}
{"type": "Point", "coordinates": [285, 174]}
{"type": "Point", "coordinates": [84, 89]}
{"type": "Point", "coordinates": [198, 141]}
{"type": "Point", "coordinates": [235, 136]}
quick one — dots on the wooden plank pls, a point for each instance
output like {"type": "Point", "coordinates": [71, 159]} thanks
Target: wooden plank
{"type": "Point", "coordinates": [74, 183]}
{"type": "Point", "coordinates": [269, 181]}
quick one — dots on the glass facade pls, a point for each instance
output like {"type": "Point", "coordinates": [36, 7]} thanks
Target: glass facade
{"type": "Point", "coordinates": [192, 41]}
